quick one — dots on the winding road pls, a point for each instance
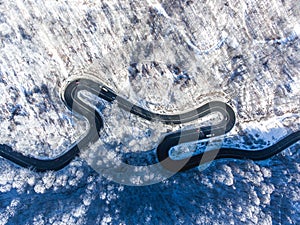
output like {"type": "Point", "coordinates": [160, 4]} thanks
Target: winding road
{"type": "Point", "coordinates": [74, 103]}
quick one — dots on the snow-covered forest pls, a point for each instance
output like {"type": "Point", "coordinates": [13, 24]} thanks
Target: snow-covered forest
{"type": "Point", "coordinates": [167, 56]}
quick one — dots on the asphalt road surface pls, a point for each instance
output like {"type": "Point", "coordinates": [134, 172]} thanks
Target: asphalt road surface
{"type": "Point", "coordinates": [75, 104]}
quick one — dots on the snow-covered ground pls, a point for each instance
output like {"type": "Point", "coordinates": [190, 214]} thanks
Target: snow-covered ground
{"type": "Point", "coordinates": [167, 56]}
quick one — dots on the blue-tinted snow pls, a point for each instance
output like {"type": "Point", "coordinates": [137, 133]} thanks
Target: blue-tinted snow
{"type": "Point", "coordinates": [244, 52]}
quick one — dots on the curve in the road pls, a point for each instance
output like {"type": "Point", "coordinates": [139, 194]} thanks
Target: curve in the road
{"type": "Point", "coordinates": [73, 102]}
